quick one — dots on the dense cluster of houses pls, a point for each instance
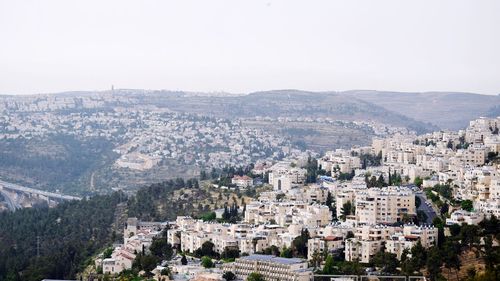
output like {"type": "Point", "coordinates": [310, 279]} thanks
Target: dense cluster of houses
{"type": "Point", "coordinates": [350, 217]}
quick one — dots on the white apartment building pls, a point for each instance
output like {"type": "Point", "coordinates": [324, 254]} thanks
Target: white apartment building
{"type": "Point", "coordinates": [475, 155]}
{"type": "Point", "coordinates": [462, 216]}
{"type": "Point", "coordinates": [287, 212]}
{"type": "Point", "coordinates": [242, 181]}
{"type": "Point", "coordinates": [398, 243]}
{"type": "Point", "coordinates": [313, 216]}
{"type": "Point", "coordinates": [361, 250]}
{"type": "Point", "coordinates": [339, 161]}
{"type": "Point", "coordinates": [283, 176]}
{"type": "Point", "coordinates": [374, 232]}
{"type": "Point", "coordinates": [408, 237]}
{"type": "Point", "coordinates": [137, 236]}
{"type": "Point", "coordinates": [119, 261]}
{"type": "Point", "coordinates": [481, 128]}
{"type": "Point", "coordinates": [384, 205]}
{"type": "Point", "coordinates": [271, 268]}
{"type": "Point", "coordinates": [322, 244]}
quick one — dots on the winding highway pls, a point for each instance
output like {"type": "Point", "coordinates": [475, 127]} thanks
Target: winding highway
{"type": "Point", "coordinates": [11, 204]}
{"type": "Point", "coordinates": [6, 189]}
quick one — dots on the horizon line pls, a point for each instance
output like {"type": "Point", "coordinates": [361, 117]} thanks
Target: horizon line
{"type": "Point", "coordinates": [239, 93]}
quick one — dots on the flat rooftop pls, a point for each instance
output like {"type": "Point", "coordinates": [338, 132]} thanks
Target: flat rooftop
{"type": "Point", "coordinates": [274, 259]}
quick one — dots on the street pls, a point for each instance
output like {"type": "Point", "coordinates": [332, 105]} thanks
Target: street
{"type": "Point", "coordinates": [431, 214]}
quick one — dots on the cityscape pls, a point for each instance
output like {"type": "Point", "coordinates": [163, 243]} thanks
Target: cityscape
{"type": "Point", "coordinates": [263, 140]}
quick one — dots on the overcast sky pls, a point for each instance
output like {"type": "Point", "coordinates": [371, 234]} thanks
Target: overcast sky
{"type": "Point", "coordinates": [243, 46]}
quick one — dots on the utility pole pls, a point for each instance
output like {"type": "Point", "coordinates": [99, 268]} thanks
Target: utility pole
{"type": "Point", "coordinates": [38, 246]}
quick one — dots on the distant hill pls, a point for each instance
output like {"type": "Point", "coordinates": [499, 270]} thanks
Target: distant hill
{"type": "Point", "coordinates": [80, 159]}
{"type": "Point", "coordinates": [448, 110]}
{"type": "Point", "coordinates": [284, 103]}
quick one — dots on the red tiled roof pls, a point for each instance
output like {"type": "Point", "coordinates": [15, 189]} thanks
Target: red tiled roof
{"type": "Point", "coordinates": [333, 238]}
{"type": "Point", "coordinates": [244, 177]}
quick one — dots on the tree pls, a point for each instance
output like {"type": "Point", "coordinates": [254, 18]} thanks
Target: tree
{"type": "Point", "coordinates": [210, 216]}
{"type": "Point", "coordinates": [444, 209]}
{"type": "Point", "coordinates": [161, 248]}
{"type": "Point", "coordinates": [449, 144]}
{"type": "Point", "coordinates": [469, 235]}
{"type": "Point", "coordinates": [454, 230]}
{"type": "Point", "coordinates": [166, 271]}
{"type": "Point", "coordinates": [311, 170]}
{"type": "Point", "coordinates": [254, 276]}
{"type": "Point", "coordinates": [351, 268]}
{"type": "Point", "coordinates": [346, 210]}
{"type": "Point", "coordinates": [316, 259]}
{"type": "Point", "coordinates": [387, 262]}
{"type": "Point", "coordinates": [491, 226]}
{"type": "Point", "coordinates": [433, 263]}
{"type": "Point", "coordinates": [467, 205]}
{"type": "Point", "coordinates": [491, 256]}
{"type": "Point", "coordinates": [407, 263]}
{"type": "Point", "coordinates": [286, 253]}
{"type": "Point", "coordinates": [418, 255]}
{"type": "Point", "coordinates": [421, 217]}
{"type": "Point", "coordinates": [81, 231]}
{"type": "Point", "coordinates": [229, 276]}
{"type": "Point", "coordinates": [329, 200]}
{"type": "Point", "coordinates": [107, 253]}
{"type": "Point", "coordinates": [439, 224]}
{"type": "Point", "coordinates": [272, 250]}
{"type": "Point", "coordinates": [418, 181]}
{"type": "Point", "coordinates": [299, 244]}
{"type": "Point", "coordinates": [381, 181]}
{"type": "Point", "coordinates": [206, 249]}
{"type": "Point", "coordinates": [230, 253]}
{"type": "Point", "coordinates": [418, 202]}
{"type": "Point", "coordinates": [329, 267]}
{"type": "Point", "coordinates": [450, 255]}
{"type": "Point", "coordinates": [207, 262]}
{"type": "Point", "coordinates": [145, 262]}
{"type": "Point", "coordinates": [203, 175]}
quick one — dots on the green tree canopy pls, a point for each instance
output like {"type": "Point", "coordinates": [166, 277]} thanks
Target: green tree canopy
{"type": "Point", "coordinates": [207, 262]}
{"type": "Point", "coordinates": [254, 276]}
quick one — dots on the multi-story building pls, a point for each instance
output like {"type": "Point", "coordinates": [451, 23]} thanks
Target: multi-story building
{"type": "Point", "coordinates": [361, 250]}
{"type": "Point", "coordinates": [271, 268]}
{"type": "Point", "coordinates": [283, 176]}
{"type": "Point", "coordinates": [462, 216]}
{"type": "Point", "coordinates": [323, 245]}
{"type": "Point", "coordinates": [384, 205]}
{"type": "Point", "coordinates": [475, 155]}
{"type": "Point", "coordinates": [339, 161]}
{"type": "Point", "coordinates": [242, 181]}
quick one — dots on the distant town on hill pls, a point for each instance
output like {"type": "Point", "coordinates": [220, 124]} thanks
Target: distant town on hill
{"type": "Point", "coordinates": [84, 143]}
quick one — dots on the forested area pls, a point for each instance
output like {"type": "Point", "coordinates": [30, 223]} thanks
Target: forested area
{"type": "Point", "coordinates": [158, 203]}
{"type": "Point", "coordinates": [37, 243]}
{"type": "Point", "coordinates": [55, 162]}
{"type": "Point", "coordinates": [42, 242]}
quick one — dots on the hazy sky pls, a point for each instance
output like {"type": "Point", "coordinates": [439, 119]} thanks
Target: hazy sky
{"type": "Point", "coordinates": [242, 46]}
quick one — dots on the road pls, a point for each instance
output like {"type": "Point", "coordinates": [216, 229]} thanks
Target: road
{"type": "Point", "coordinates": [28, 190]}
{"type": "Point", "coordinates": [12, 204]}
{"type": "Point", "coordinates": [431, 214]}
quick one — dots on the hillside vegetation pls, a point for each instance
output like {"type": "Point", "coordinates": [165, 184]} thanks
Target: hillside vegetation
{"type": "Point", "coordinates": [447, 110]}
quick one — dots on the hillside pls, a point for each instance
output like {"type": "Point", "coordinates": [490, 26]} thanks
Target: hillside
{"type": "Point", "coordinates": [280, 103]}
{"type": "Point", "coordinates": [68, 141]}
{"type": "Point", "coordinates": [447, 110]}
{"type": "Point", "coordinates": [72, 232]}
